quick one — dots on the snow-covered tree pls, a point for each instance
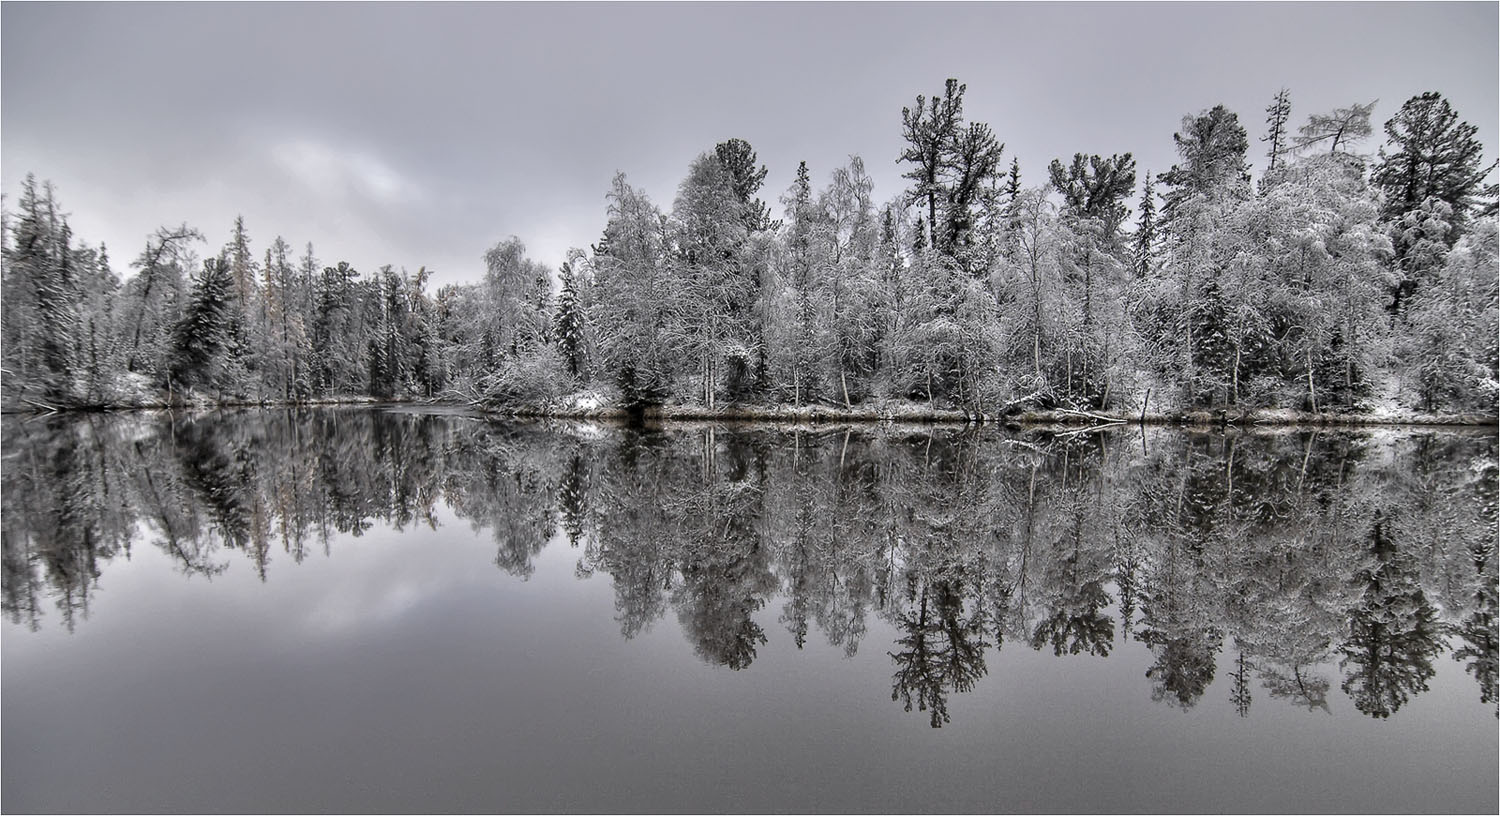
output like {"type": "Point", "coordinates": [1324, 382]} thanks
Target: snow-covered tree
{"type": "Point", "coordinates": [1340, 128]}
{"type": "Point", "coordinates": [1429, 154]}
{"type": "Point", "coordinates": [151, 299]}
{"type": "Point", "coordinates": [567, 325]}
{"type": "Point", "coordinates": [202, 338]}
{"type": "Point", "coordinates": [630, 302]}
{"type": "Point", "coordinates": [713, 290]}
{"type": "Point", "coordinates": [1450, 349]}
{"type": "Point", "coordinates": [1201, 194]}
{"type": "Point", "coordinates": [929, 130]}
{"type": "Point", "coordinates": [845, 284]}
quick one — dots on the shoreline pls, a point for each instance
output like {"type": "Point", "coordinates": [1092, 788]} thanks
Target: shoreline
{"type": "Point", "coordinates": [885, 413]}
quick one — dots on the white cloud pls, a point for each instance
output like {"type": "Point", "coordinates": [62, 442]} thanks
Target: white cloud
{"type": "Point", "coordinates": [343, 173]}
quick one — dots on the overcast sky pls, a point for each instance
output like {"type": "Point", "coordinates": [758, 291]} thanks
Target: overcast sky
{"type": "Point", "coordinates": [422, 134]}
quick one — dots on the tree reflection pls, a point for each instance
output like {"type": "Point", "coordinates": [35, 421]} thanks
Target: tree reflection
{"type": "Point", "coordinates": [1177, 625]}
{"type": "Point", "coordinates": [950, 540]}
{"type": "Point", "coordinates": [726, 575]}
{"type": "Point", "coordinates": [942, 651]}
{"type": "Point", "coordinates": [1393, 632]}
{"type": "Point", "coordinates": [65, 513]}
{"type": "Point", "coordinates": [1479, 645]}
{"type": "Point", "coordinates": [1304, 690]}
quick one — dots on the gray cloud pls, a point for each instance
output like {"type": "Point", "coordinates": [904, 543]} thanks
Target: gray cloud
{"type": "Point", "coordinates": [419, 134]}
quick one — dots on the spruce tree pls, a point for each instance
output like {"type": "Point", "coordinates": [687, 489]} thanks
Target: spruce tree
{"type": "Point", "coordinates": [804, 223]}
{"type": "Point", "coordinates": [1013, 202]}
{"type": "Point", "coordinates": [241, 263]}
{"type": "Point", "coordinates": [202, 336]}
{"type": "Point", "coordinates": [1145, 231]}
{"type": "Point", "coordinates": [568, 321]}
{"type": "Point", "coordinates": [41, 300]}
{"type": "Point", "coordinates": [1013, 182]}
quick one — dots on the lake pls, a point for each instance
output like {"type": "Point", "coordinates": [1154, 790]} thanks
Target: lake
{"type": "Point", "coordinates": [366, 609]}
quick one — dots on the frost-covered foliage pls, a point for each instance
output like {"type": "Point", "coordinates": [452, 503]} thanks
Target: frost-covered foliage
{"type": "Point", "coordinates": [1340, 282]}
{"type": "Point", "coordinates": [534, 379]}
{"type": "Point", "coordinates": [1450, 346]}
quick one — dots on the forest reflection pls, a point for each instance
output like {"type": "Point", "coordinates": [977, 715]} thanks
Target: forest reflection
{"type": "Point", "coordinates": [1296, 559]}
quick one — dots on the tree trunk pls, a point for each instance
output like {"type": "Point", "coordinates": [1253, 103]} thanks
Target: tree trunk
{"type": "Point", "coordinates": [1069, 390]}
{"type": "Point", "coordinates": [140, 316]}
{"type": "Point", "coordinates": [1036, 324]}
{"type": "Point", "coordinates": [1235, 400]}
{"type": "Point", "coordinates": [1311, 394]}
{"type": "Point", "coordinates": [1088, 289]}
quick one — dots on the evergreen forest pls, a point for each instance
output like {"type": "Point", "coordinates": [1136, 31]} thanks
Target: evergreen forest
{"type": "Point", "coordinates": [1340, 281]}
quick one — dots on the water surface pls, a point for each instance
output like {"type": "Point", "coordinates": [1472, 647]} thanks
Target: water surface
{"type": "Point", "coordinates": [372, 610]}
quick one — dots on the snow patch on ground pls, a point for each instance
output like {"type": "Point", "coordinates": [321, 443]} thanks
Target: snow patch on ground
{"type": "Point", "coordinates": [1277, 414]}
{"type": "Point", "coordinates": [586, 401]}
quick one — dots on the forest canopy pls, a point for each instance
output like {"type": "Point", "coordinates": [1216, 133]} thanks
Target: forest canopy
{"type": "Point", "coordinates": [1338, 281]}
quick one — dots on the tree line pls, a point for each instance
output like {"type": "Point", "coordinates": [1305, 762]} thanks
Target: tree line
{"type": "Point", "coordinates": [1279, 564]}
{"type": "Point", "coordinates": [1337, 281]}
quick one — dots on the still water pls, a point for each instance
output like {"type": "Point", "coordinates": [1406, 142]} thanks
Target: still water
{"type": "Point", "coordinates": [378, 610]}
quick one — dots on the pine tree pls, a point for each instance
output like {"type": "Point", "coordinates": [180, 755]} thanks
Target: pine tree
{"type": "Point", "coordinates": [1277, 114]}
{"type": "Point", "coordinates": [1213, 146]}
{"type": "Point", "coordinates": [1433, 155]}
{"type": "Point", "coordinates": [738, 159]}
{"type": "Point", "coordinates": [1095, 188]}
{"type": "Point", "coordinates": [971, 163]}
{"type": "Point", "coordinates": [1201, 194]}
{"type": "Point", "coordinates": [929, 133]}
{"type": "Point", "coordinates": [1094, 261]}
